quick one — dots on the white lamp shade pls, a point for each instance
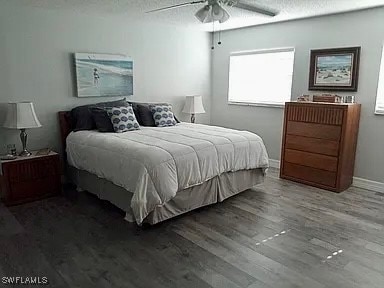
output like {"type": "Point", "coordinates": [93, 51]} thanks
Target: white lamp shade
{"type": "Point", "coordinates": [193, 105]}
{"type": "Point", "coordinates": [21, 116]}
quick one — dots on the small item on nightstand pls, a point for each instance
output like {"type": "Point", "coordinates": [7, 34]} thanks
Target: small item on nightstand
{"type": "Point", "coordinates": [11, 149]}
{"type": "Point", "coordinates": [328, 98]}
{"type": "Point", "coordinates": [349, 99]}
{"type": "Point", "coordinates": [303, 98]}
{"type": "Point", "coordinates": [8, 157]}
{"type": "Point", "coordinates": [44, 151]}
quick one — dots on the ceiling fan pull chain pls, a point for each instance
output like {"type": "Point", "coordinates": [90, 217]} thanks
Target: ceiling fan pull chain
{"type": "Point", "coordinates": [213, 35]}
{"type": "Point", "coordinates": [219, 43]}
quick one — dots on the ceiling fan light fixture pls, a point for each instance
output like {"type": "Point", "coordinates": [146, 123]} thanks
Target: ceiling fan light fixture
{"type": "Point", "coordinates": [203, 14]}
{"type": "Point", "coordinates": [214, 11]}
{"type": "Point", "coordinates": [217, 9]}
{"type": "Point", "coordinates": [225, 16]}
{"type": "Point", "coordinates": [219, 13]}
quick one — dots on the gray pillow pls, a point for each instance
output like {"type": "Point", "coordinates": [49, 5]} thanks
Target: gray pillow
{"type": "Point", "coordinates": [81, 116]}
{"type": "Point", "coordinates": [102, 120]}
{"type": "Point", "coordinates": [145, 115]}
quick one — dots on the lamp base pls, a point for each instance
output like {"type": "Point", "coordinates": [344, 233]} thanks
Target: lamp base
{"type": "Point", "coordinates": [25, 153]}
{"type": "Point", "coordinates": [23, 138]}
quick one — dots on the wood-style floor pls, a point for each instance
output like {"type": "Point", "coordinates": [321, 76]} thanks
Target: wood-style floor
{"type": "Point", "coordinates": [280, 234]}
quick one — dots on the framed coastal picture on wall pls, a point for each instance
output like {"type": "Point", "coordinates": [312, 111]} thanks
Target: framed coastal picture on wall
{"type": "Point", "coordinates": [334, 69]}
{"type": "Point", "coordinates": [100, 75]}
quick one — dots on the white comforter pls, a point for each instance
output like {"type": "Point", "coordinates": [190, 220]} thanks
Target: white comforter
{"type": "Point", "coordinates": [155, 163]}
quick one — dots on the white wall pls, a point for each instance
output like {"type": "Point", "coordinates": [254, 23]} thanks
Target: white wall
{"type": "Point", "coordinates": [363, 28]}
{"type": "Point", "coordinates": [36, 63]}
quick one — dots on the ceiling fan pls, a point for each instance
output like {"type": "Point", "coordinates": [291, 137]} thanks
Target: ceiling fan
{"type": "Point", "coordinates": [214, 10]}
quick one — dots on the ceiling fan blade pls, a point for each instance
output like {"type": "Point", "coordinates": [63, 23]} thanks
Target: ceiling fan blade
{"type": "Point", "coordinates": [177, 6]}
{"type": "Point", "coordinates": [254, 9]}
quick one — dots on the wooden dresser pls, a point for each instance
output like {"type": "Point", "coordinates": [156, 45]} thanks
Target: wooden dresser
{"type": "Point", "coordinates": [319, 144]}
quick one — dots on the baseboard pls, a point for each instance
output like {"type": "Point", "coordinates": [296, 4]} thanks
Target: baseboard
{"type": "Point", "coordinates": [274, 163]}
{"type": "Point", "coordinates": [368, 184]}
{"type": "Point", "coordinates": [357, 182]}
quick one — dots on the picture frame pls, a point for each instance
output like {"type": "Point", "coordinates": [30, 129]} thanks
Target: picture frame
{"type": "Point", "coordinates": [101, 75]}
{"type": "Point", "coordinates": [335, 69]}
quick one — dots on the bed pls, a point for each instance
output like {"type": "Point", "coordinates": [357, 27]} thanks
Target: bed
{"type": "Point", "coordinates": [156, 173]}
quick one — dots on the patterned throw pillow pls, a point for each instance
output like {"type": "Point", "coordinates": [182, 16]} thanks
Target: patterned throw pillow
{"type": "Point", "coordinates": [123, 119]}
{"type": "Point", "coordinates": [163, 115]}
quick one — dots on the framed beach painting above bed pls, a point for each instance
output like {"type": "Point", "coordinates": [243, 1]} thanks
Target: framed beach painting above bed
{"type": "Point", "coordinates": [100, 75]}
{"type": "Point", "coordinates": [334, 69]}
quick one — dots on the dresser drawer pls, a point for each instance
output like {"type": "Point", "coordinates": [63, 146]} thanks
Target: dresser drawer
{"type": "Point", "coordinates": [321, 114]}
{"type": "Point", "coordinates": [320, 131]}
{"type": "Point", "coordinates": [314, 145]}
{"type": "Point", "coordinates": [318, 161]}
{"type": "Point", "coordinates": [311, 175]}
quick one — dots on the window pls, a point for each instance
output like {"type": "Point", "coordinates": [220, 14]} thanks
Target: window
{"type": "Point", "coordinates": [380, 89]}
{"type": "Point", "coordinates": [261, 77]}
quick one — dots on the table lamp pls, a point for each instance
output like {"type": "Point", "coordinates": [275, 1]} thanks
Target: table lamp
{"type": "Point", "coordinates": [21, 116]}
{"type": "Point", "coordinates": [193, 105]}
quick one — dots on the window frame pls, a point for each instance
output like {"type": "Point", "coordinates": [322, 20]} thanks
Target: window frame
{"type": "Point", "coordinates": [380, 85]}
{"type": "Point", "coordinates": [261, 51]}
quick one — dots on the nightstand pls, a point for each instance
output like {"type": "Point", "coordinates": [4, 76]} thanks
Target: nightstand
{"type": "Point", "coordinates": [26, 179]}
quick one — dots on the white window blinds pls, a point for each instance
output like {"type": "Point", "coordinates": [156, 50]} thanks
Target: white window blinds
{"type": "Point", "coordinates": [261, 77]}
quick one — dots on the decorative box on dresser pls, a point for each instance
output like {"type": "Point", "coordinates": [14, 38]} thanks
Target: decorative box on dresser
{"type": "Point", "coordinates": [30, 178]}
{"type": "Point", "coordinates": [319, 144]}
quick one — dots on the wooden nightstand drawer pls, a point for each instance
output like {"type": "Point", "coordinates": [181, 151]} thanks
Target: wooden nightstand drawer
{"type": "Point", "coordinates": [30, 178]}
{"type": "Point", "coordinates": [31, 170]}
{"type": "Point", "coordinates": [23, 192]}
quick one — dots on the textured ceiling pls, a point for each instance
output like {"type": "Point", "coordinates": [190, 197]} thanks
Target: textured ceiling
{"type": "Point", "coordinates": [184, 16]}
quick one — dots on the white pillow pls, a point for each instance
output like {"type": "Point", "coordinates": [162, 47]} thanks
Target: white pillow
{"type": "Point", "coordinates": [163, 115]}
{"type": "Point", "coordinates": [123, 119]}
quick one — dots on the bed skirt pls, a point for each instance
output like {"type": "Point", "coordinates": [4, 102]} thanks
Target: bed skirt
{"type": "Point", "coordinates": [212, 191]}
